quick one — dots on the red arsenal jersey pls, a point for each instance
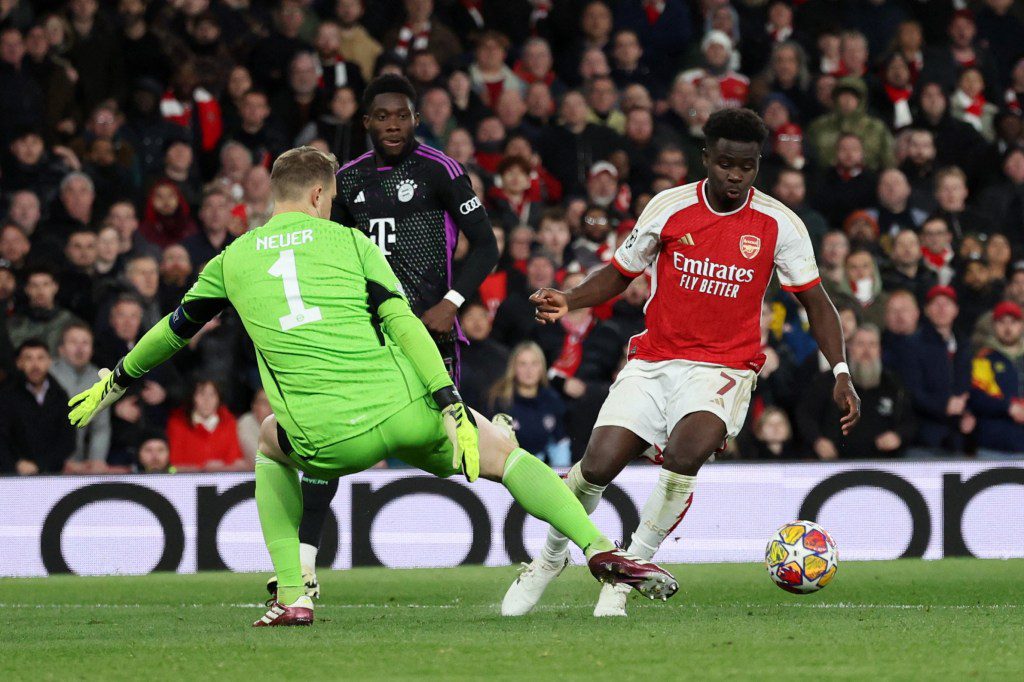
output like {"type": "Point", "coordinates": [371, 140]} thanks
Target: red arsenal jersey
{"type": "Point", "coordinates": [710, 273]}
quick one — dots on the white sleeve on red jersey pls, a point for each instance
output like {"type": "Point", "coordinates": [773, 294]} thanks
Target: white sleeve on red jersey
{"type": "Point", "coordinates": [642, 245]}
{"type": "Point", "coordinates": [794, 253]}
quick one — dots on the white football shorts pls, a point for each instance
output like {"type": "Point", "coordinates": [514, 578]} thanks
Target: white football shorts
{"type": "Point", "coordinates": [650, 398]}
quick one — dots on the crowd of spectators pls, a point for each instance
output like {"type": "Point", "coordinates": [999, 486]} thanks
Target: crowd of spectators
{"type": "Point", "coordinates": [136, 138]}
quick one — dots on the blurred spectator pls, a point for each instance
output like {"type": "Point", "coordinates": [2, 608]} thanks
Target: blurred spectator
{"type": "Point", "coordinates": [489, 74]}
{"type": "Point", "coordinates": [537, 411]}
{"type": "Point", "coordinates": [956, 142]}
{"type": "Point", "coordinates": [250, 422]}
{"type": "Point", "coordinates": [905, 270]}
{"type": "Point", "coordinates": [35, 435]}
{"type": "Point", "coordinates": [848, 184]}
{"type": "Point", "coordinates": [76, 282]}
{"type": "Point", "coordinates": [969, 105]}
{"type": "Point", "coordinates": [302, 102]}
{"type": "Point", "coordinates": [214, 221]}
{"type": "Point", "coordinates": [422, 31]}
{"type": "Point", "coordinates": [21, 97]}
{"type": "Point", "coordinates": [155, 456]}
{"type": "Point", "coordinates": [25, 211]}
{"type": "Point", "coordinates": [773, 437]}
{"type": "Point", "coordinates": [951, 196]}
{"type": "Point", "coordinates": [75, 372]}
{"type": "Point", "coordinates": [891, 97]}
{"type": "Point", "coordinates": [937, 249]}
{"type": "Point", "coordinates": [851, 118]}
{"type": "Point", "coordinates": [484, 359]}
{"type": "Point", "coordinates": [175, 277]}
{"type": "Point", "coordinates": [902, 315]}
{"type": "Point", "coordinates": [235, 164]}
{"type": "Point", "coordinates": [270, 56]}
{"type": "Point", "coordinates": [790, 189]}
{"type": "Point", "coordinates": [1004, 200]}
{"type": "Point", "coordinates": [787, 153]}
{"type": "Point", "coordinates": [258, 203]}
{"type": "Point", "coordinates": [977, 292]}
{"type": "Point", "coordinates": [887, 423]}
{"type": "Point", "coordinates": [893, 210]}
{"type": "Point", "coordinates": [596, 242]}
{"type": "Point", "coordinates": [95, 53]}
{"type": "Point", "coordinates": [203, 434]}
{"type": "Point", "coordinates": [984, 334]}
{"type": "Point", "coordinates": [167, 216]}
{"type": "Point", "coordinates": [190, 106]}
{"type": "Point", "coordinates": [717, 66]}
{"type": "Point", "coordinates": [262, 139]}
{"type": "Point", "coordinates": [509, 199]}
{"type": "Point", "coordinates": [936, 373]}
{"type": "Point", "coordinates": [997, 396]}
{"type": "Point", "coordinates": [42, 319]}
{"type": "Point", "coordinates": [179, 168]}
{"type": "Point", "coordinates": [331, 65]}
{"type": "Point", "coordinates": [355, 42]}
{"type": "Point", "coordinates": [832, 260]}
{"type": "Point", "coordinates": [514, 319]}
{"type": "Point", "coordinates": [571, 148]}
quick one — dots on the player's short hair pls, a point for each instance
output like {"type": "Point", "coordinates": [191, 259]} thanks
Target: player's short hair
{"type": "Point", "coordinates": [388, 83]}
{"type": "Point", "coordinates": [300, 169]}
{"type": "Point", "coordinates": [736, 125]}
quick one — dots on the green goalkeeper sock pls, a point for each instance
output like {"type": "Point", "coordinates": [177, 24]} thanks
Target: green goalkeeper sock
{"type": "Point", "coordinates": [279, 502]}
{"type": "Point", "coordinates": [544, 495]}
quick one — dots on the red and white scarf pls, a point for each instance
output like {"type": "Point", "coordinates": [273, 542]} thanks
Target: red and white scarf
{"type": "Point", "coordinates": [1013, 101]}
{"type": "Point", "coordinates": [539, 13]}
{"type": "Point", "coordinates": [472, 8]}
{"type": "Point", "coordinates": [654, 10]}
{"type": "Point", "coordinates": [937, 261]}
{"type": "Point", "coordinates": [900, 98]}
{"type": "Point", "coordinates": [778, 34]}
{"type": "Point", "coordinates": [973, 107]}
{"type": "Point", "coordinates": [409, 40]}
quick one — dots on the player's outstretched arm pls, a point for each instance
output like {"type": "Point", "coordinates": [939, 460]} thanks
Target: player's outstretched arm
{"type": "Point", "coordinates": [827, 331]}
{"type": "Point", "coordinates": [201, 304]}
{"type": "Point", "coordinates": [600, 286]}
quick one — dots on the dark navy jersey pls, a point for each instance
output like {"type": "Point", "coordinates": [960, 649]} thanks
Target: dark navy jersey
{"type": "Point", "coordinates": [414, 211]}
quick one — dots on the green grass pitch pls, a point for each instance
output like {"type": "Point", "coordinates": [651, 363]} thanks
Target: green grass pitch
{"type": "Point", "coordinates": [905, 619]}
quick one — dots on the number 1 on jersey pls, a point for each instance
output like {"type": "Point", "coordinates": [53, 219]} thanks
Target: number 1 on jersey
{"type": "Point", "coordinates": [299, 314]}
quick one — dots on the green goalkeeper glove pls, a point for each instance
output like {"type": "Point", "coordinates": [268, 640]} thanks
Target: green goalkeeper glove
{"type": "Point", "coordinates": [99, 396]}
{"type": "Point", "coordinates": [461, 428]}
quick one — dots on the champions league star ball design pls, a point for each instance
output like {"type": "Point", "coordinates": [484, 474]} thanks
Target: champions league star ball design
{"type": "Point", "coordinates": [801, 557]}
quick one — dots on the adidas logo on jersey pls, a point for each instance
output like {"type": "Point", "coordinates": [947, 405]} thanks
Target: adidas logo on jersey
{"type": "Point", "coordinates": [686, 239]}
{"type": "Point", "coordinates": [359, 198]}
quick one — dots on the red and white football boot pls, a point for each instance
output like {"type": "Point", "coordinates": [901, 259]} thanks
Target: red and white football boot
{"type": "Point", "coordinates": [298, 613]}
{"type": "Point", "coordinates": [617, 566]}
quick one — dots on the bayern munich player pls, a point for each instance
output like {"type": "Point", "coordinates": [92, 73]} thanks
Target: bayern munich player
{"type": "Point", "coordinates": [712, 246]}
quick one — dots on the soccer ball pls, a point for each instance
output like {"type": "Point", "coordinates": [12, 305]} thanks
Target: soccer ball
{"type": "Point", "coordinates": [801, 557]}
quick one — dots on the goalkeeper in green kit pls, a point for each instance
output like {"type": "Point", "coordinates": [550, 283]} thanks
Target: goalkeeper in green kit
{"type": "Point", "coordinates": [353, 378]}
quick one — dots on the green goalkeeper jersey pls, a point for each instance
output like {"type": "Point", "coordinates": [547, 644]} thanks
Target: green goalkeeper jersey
{"type": "Point", "coordinates": [304, 289]}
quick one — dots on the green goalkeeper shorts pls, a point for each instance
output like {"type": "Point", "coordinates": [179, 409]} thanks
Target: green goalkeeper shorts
{"type": "Point", "coordinates": [415, 434]}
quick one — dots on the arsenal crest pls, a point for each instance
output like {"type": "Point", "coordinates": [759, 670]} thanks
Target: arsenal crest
{"type": "Point", "coordinates": [750, 245]}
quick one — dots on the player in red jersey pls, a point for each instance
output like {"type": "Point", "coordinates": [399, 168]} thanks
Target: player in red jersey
{"type": "Point", "coordinates": [712, 247]}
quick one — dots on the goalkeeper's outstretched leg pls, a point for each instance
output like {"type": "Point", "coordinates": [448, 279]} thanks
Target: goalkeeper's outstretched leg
{"type": "Point", "coordinates": [545, 496]}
